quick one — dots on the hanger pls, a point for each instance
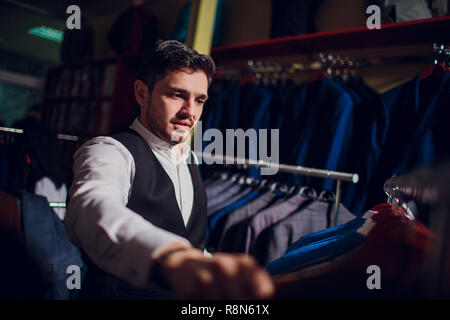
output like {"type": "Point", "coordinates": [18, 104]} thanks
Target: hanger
{"type": "Point", "coordinates": [262, 184]}
{"type": "Point", "coordinates": [326, 196]}
{"type": "Point", "coordinates": [438, 68]}
{"type": "Point", "coordinates": [273, 185]}
{"type": "Point", "coordinates": [307, 191]}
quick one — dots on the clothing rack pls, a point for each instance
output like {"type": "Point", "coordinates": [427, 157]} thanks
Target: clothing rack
{"type": "Point", "coordinates": [327, 62]}
{"type": "Point", "coordinates": [311, 172]}
{"type": "Point", "coordinates": [425, 192]}
{"type": "Point", "coordinates": [60, 136]}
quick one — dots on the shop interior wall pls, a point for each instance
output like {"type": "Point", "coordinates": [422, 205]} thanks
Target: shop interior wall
{"type": "Point", "coordinates": [166, 12]}
{"type": "Point", "coordinates": [250, 20]}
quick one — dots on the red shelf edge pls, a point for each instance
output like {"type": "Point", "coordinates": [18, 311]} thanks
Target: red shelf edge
{"type": "Point", "coordinates": [221, 50]}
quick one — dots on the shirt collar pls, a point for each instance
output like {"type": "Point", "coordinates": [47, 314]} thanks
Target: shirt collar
{"type": "Point", "coordinates": [174, 153]}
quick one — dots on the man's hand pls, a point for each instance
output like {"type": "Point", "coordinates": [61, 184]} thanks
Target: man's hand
{"type": "Point", "coordinates": [193, 275]}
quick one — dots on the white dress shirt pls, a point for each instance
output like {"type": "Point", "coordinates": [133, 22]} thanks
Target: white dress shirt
{"type": "Point", "coordinates": [117, 239]}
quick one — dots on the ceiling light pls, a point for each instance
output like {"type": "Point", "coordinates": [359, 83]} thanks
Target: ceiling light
{"type": "Point", "coordinates": [47, 33]}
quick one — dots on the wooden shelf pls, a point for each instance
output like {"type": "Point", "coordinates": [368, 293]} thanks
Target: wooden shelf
{"type": "Point", "coordinates": [394, 34]}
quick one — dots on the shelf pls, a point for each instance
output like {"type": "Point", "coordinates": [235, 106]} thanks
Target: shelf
{"type": "Point", "coordinates": [394, 34]}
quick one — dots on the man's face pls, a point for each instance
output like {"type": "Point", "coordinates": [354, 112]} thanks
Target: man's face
{"type": "Point", "coordinates": [175, 105]}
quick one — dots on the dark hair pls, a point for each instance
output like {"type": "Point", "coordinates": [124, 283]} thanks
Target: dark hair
{"type": "Point", "coordinates": [171, 55]}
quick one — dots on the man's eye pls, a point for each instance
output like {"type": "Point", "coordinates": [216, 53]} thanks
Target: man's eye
{"type": "Point", "coordinates": [200, 101]}
{"type": "Point", "coordinates": [176, 95]}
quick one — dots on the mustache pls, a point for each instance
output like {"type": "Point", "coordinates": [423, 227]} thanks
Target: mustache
{"type": "Point", "coordinates": [185, 121]}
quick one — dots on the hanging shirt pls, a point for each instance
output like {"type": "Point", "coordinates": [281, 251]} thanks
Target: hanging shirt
{"type": "Point", "coordinates": [116, 238]}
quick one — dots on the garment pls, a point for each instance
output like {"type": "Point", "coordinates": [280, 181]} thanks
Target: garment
{"type": "Point", "coordinates": [152, 194]}
{"type": "Point", "coordinates": [233, 239]}
{"type": "Point", "coordinates": [97, 217]}
{"type": "Point", "coordinates": [223, 229]}
{"type": "Point", "coordinates": [416, 130]}
{"type": "Point", "coordinates": [45, 187]}
{"type": "Point", "coordinates": [234, 190]}
{"type": "Point", "coordinates": [134, 31]}
{"type": "Point", "coordinates": [399, 247]}
{"type": "Point", "coordinates": [48, 245]}
{"type": "Point", "coordinates": [370, 119]}
{"type": "Point", "coordinates": [337, 242]}
{"type": "Point", "coordinates": [313, 216]}
{"type": "Point", "coordinates": [242, 192]}
{"type": "Point", "coordinates": [217, 187]}
{"type": "Point", "coordinates": [153, 198]}
{"type": "Point", "coordinates": [10, 216]}
{"type": "Point", "coordinates": [215, 218]}
{"type": "Point", "coordinates": [291, 122]}
{"type": "Point", "coordinates": [324, 132]}
{"type": "Point", "coordinates": [266, 218]}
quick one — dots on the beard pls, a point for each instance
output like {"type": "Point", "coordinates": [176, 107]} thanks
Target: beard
{"type": "Point", "coordinates": [162, 129]}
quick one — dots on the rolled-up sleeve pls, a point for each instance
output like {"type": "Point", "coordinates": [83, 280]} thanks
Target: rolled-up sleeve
{"type": "Point", "coordinates": [117, 239]}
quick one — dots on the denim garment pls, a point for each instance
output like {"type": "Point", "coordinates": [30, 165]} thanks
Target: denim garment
{"type": "Point", "coordinates": [47, 243]}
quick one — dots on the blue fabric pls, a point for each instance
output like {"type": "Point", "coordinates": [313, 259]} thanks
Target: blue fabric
{"type": "Point", "coordinates": [254, 106]}
{"type": "Point", "coordinates": [369, 134]}
{"type": "Point", "coordinates": [318, 247]}
{"type": "Point", "coordinates": [327, 233]}
{"type": "Point", "coordinates": [213, 219]}
{"type": "Point", "coordinates": [314, 253]}
{"type": "Point", "coordinates": [47, 243]}
{"type": "Point", "coordinates": [418, 130]}
{"type": "Point", "coordinates": [325, 130]}
{"type": "Point", "coordinates": [290, 121]}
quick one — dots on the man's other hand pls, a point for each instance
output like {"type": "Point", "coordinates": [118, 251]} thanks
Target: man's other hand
{"type": "Point", "coordinates": [192, 275]}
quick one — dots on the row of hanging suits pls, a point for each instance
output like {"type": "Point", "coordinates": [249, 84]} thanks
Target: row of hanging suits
{"type": "Point", "coordinates": [262, 218]}
{"type": "Point", "coordinates": [289, 232]}
{"type": "Point", "coordinates": [328, 123]}
{"type": "Point", "coordinates": [335, 125]}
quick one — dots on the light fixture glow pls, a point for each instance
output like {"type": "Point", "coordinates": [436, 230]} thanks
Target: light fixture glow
{"type": "Point", "coordinates": [47, 33]}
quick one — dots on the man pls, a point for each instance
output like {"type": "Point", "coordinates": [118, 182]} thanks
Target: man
{"type": "Point", "coordinates": [137, 204]}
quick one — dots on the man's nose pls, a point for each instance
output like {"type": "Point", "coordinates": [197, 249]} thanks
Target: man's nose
{"type": "Point", "coordinates": [188, 108]}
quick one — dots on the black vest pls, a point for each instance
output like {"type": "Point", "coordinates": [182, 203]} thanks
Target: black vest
{"type": "Point", "coordinates": [152, 197]}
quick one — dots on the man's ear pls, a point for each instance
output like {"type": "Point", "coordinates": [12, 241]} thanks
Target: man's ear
{"type": "Point", "coordinates": [141, 92]}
